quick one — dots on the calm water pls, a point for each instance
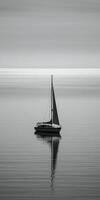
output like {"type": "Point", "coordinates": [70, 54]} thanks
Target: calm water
{"type": "Point", "coordinates": [28, 170]}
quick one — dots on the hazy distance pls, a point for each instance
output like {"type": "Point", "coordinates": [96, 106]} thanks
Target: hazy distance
{"type": "Point", "coordinates": [50, 33]}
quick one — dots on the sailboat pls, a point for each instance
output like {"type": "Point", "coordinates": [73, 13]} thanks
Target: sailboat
{"type": "Point", "coordinates": [53, 126]}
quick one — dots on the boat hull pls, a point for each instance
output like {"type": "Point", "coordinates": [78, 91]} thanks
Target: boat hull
{"type": "Point", "coordinates": [47, 130]}
{"type": "Point", "coordinates": [47, 134]}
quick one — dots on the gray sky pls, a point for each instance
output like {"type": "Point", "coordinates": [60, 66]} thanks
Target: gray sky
{"type": "Point", "coordinates": [50, 33]}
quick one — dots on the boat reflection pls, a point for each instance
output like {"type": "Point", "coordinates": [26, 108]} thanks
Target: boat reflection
{"type": "Point", "coordinates": [53, 141]}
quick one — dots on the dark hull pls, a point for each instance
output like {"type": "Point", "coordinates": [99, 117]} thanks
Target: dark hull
{"type": "Point", "coordinates": [47, 134]}
{"type": "Point", "coordinates": [47, 130]}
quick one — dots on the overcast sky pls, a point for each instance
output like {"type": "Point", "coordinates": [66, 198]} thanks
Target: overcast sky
{"type": "Point", "coordinates": [50, 33]}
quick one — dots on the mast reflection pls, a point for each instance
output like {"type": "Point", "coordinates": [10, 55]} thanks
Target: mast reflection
{"type": "Point", "coordinates": [53, 141]}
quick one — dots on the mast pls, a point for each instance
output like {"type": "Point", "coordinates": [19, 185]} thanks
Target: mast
{"type": "Point", "coordinates": [51, 98]}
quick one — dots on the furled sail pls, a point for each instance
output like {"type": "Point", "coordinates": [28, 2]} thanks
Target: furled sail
{"type": "Point", "coordinates": [54, 114]}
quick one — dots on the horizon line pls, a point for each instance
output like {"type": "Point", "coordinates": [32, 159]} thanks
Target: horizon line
{"type": "Point", "coordinates": [48, 71]}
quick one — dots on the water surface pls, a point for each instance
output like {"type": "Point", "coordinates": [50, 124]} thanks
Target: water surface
{"type": "Point", "coordinates": [26, 168]}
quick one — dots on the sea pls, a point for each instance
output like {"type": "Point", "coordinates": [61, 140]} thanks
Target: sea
{"type": "Point", "coordinates": [33, 167]}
